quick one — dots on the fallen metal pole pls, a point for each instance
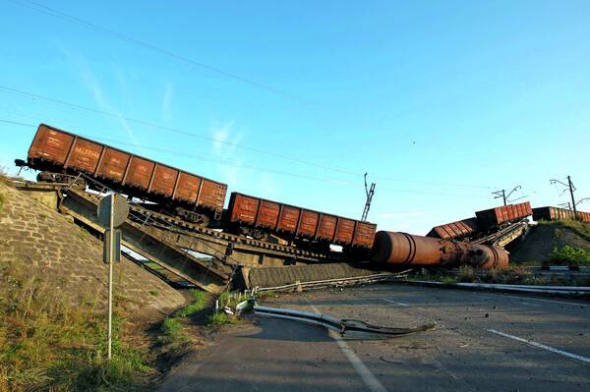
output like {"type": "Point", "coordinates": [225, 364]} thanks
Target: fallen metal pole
{"type": "Point", "coordinates": [348, 328]}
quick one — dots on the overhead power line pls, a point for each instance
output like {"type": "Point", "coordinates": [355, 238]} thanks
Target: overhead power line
{"type": "Point", "coordinates": [146, 45]}
{"type": "Point", "coordinates": [118, 116]}
{"type": "Point", "coordinates": [175, 130]}
{"type": "Point", "coordinates": [241, 165]}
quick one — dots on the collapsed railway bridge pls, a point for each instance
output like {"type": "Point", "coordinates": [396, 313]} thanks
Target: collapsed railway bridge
{"type": "Point", "coordinates": [178, 217]}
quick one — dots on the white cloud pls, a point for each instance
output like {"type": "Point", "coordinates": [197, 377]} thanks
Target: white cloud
{"type": "Point", "coordinates": [92, 83]}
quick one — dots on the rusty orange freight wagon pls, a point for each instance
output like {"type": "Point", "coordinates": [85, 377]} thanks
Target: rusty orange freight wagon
{"type": "Point", "coordinates": [59, 151]}
{"type": "Point", "coordinates": [299, 222]}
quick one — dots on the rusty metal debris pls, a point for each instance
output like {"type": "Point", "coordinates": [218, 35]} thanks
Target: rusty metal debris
{"type": "Point", "coordinates": [349, 329]}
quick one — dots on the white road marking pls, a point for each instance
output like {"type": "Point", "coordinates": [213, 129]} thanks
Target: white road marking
{"type": "Point", "coordinates": [544, 347]}
{"type": "Point", "coordinates": [362, 370]}
{"type": "Point", "coordinates": [395, 302]}
{"type": "Point", "coordinates": [533, 299]}
{"type": "Point", "coordinates": [530, 304]}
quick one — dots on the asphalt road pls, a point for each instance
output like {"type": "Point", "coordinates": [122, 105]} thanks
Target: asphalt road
{"type": "Point", "coordinates": [483, 342]}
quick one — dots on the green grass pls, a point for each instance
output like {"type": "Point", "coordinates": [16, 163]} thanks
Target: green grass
{"type": "Point", "coordinates": [173, 334]}
{"type": "Point", "coordinates": [580, 228]}
{"type": "Point", "coordinates": [222, 319]}
{"type": "Point", "coordinates": [449, 280]}
{"type": "Point", "coordinates": [1, 201]}
{"type": "Point", "coordinates": [200, 299]}
{"type": "Point", "coordinates": [46, 343]}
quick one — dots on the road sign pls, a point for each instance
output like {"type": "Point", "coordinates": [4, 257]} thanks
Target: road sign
{"type": "Point", "coordinates": [112, 212]}
{"type": "Point", "coordinates": [107, 247]}
{"type": "Point", "coordinates": [120, 210]}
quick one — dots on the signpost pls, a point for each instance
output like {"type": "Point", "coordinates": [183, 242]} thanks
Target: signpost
{"type": "Point", "coordinates": [112, 212]}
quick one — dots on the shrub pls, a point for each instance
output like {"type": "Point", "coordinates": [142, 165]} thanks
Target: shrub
{"type": "Point", "coordinates": [570, 255]}
{"type": "Point", "coordinates": [467, 274]}
{"type": "Point", "coordinates": [222, 319]}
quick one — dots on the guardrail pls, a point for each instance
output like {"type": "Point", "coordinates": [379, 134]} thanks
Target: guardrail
{"type": "Point", "coordinates": [558, 290]}
{"type": "Point", "coordinates": [337, 282]}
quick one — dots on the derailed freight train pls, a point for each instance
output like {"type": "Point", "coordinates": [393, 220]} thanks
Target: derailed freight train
{"type": "Point", "coordinates": [56, 152]}
{"type": "Point", "coordinates": [485, 221]}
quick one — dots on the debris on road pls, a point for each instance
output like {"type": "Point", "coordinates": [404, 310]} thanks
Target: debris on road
{"type": "Point", "coordinates": [348, 328]}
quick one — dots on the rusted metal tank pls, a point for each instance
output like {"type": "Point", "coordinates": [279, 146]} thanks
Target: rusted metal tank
{"type": "Point", "coordinates": [407, 249]}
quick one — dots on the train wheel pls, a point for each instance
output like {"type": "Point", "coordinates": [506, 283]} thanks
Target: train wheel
{"type": "Point", "coordinates": [45, 177]}
{"type": "Point", "coordinates": [192, 217]}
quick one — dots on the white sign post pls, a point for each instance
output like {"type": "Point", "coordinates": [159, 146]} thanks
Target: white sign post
{"type": "Point", "coordinates": [112, 212]}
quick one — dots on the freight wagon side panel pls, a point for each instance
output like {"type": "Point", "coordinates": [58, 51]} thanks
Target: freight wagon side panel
{"type": "Point", "coordinates": [212, 195]}
{"type": "Point", "coordinates": [50, 145]}
{"type": "Point", "coordinates": [344, 231]}
{"type": "Point", "coordinates": [243, 208]}
{"type": "Point", "coordinates": [113, 165]}
{"type": "Point", "coordinates": [308, 223]}
{"type": "Point", "coordinates": [288, 219]}
{"type": "Point", "coordinates": [164, 180]}
{"type": "Point", "coordinates": [139, 173]}
{"type": "Point", "coordinates": [326, 227]}
{"type": "Point", "coordinates": [84, 156]}
{"type": "Point", "coordinates": [187, 188]}
{"type": "Point", "coordinates": [364, 234]}
{"type": "Point", "coordinates": [268, 214]}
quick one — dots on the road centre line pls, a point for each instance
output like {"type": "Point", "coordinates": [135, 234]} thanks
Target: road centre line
{"type": "Point", "coordinates": [534, 299]}
{"type": "Point", "coordinates": [530, 304]}
{"type": "Point", "coordinates": [544, 347]}
{"type": "Point", "coordinates": [361, 369]}
{"type": "Point", "coordinates": [395, 302]}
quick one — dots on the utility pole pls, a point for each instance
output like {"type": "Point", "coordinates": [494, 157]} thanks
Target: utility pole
{"type": "Point", "coordinates": [571, 187]}
{"type": "Point", "coordinates": [568, 205]}
{"type": "Point", "coordinates": [370, 193]}
{"type": "Point", "coordinates": [502, 193]}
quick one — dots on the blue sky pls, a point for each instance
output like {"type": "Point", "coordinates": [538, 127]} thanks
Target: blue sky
{"type": "Point", "coordinates": [441, 102]}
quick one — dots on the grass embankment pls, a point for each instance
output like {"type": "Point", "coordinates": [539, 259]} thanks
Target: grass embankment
{"type": "Point", "coordinates": [47, 343]}
{"type": "Point", "coordinates": [579, 227]}
{"type": "Point", "coordinates": [173, 330]}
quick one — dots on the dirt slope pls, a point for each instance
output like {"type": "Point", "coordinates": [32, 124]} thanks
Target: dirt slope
{"type": "Point", "coordinates": [55, 250]}
{"type": "Point", "coordinates": [542, 239]}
